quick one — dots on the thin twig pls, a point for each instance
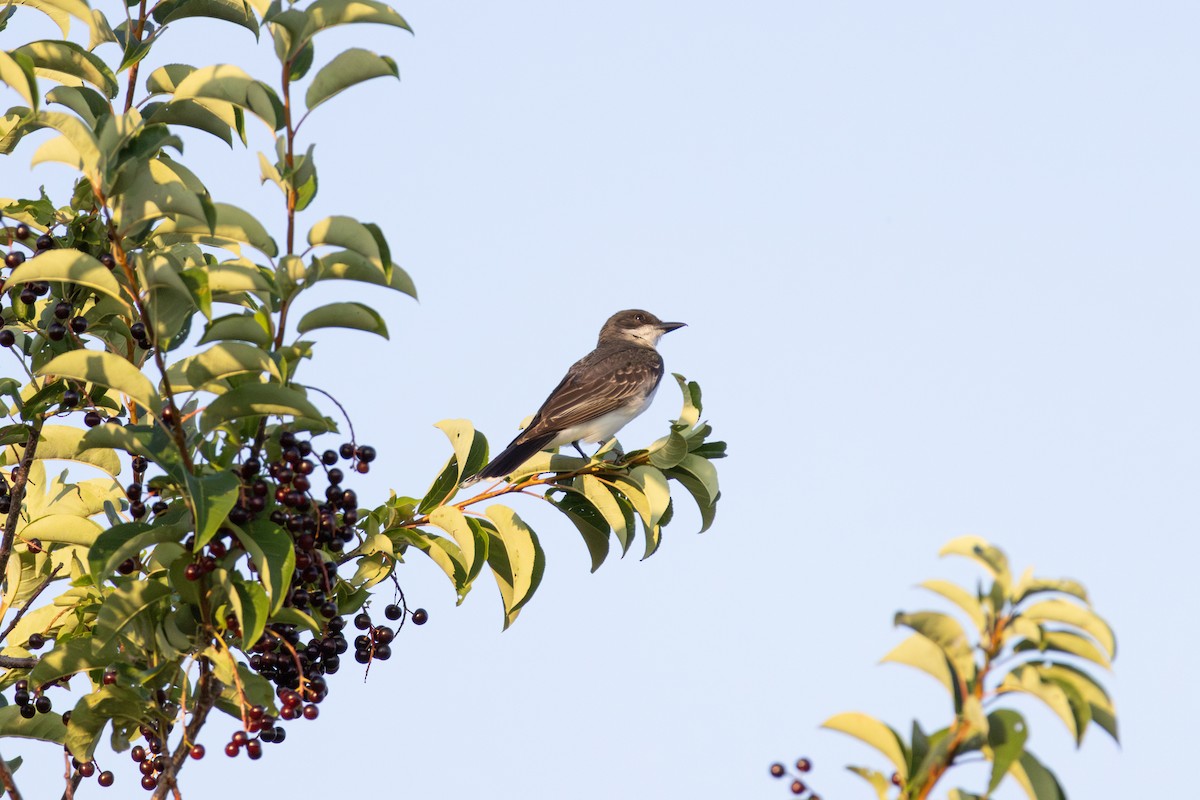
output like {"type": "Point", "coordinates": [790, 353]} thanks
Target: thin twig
{"type": "Point", "coordinates": [29, 602]}
{"type": "Point", "coordinates": [207, 689]}
{"type": "Point", "coordinates": [6, 778]}
{"type": "Point", "coordinates": [71, 776]}
{"type": "Point", "coordinates": [17, 495]}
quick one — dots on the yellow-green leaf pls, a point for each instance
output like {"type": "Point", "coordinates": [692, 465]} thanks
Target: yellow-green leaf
{"type": "Point", "coordinates": [105, 369]}
{"type": "Point", "coordinates": [871, 731]}
{"type": "Point", "coordinates": [68, 266]}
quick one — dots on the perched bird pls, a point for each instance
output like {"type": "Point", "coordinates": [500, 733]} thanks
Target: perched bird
{"type": "Point", "coordinates": [602, 392]}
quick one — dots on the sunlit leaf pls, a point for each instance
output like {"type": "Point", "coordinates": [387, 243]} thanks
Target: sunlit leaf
{"type": "Point", "coordinates": [1066, 612]}
{"type": "Point", "coordinates": [516, 559]}
{"type": "Point", "coordinates": [108, 370]}
{"type": "Point", "coordinates": [960, 597]}
{"type": "Point", "coordinates": [871, 731]}
{"type": "Point", "coordinates": [65, 62]}
{"type": "Point", "coordinates": [921, 653]}
{"type": "Point", "coordinates": [977, 549]}
{"type": "Point", "coordinates": [357, 316]}
{"type": "Point", "coordinates": [256, 400]}
{"type": "Point", "coordinates": [348, 68]}
{"type": "Point", "coordinates": [273, 554]}
{"type": "Point", "coordinates": [124, 605]}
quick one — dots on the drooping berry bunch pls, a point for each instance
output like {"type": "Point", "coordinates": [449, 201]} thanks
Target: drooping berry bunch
{"type": "Point", "coordinates": [30, 704]}
{"type": "Point", "coordinates": [798, 786]}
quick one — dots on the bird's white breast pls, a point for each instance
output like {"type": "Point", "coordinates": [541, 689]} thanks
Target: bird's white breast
{"type": "Point", "coordinates": [603, 427]}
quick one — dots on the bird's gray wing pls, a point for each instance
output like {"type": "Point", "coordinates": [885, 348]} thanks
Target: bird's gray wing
{"type": "Point", "coordinates": [598, 383]}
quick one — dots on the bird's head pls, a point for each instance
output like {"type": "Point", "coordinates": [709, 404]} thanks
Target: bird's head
{"type": "Point", "coordinates": [636, 326]}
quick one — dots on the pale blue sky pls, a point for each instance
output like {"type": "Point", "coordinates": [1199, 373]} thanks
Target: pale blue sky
{"type": "Point", "coordinates": [939, 266]}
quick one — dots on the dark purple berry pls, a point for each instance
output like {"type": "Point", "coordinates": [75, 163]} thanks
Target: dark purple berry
{"type": "Point", "coordinates": [22, 231]}
{"type": "Point", "coordinates": [14, 259]}
{"type": "Point", "coordinates": [79, 324]}
{"type": "Point", "coordinates": [107, 260]}
{"type": "Point", "coordinates": [45, 242]}
{"type": "Point", "coordinates": [393, 611]}
{"type": "Point", "coordinates": [420, 616]}
{"type": "Point", "coordinates": [63, 310]}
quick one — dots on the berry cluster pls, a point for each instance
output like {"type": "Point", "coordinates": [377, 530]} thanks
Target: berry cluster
{"type": "Point", "coordinates": [798, 786]}
{"type": "Point", "coordinates": [30, 704]}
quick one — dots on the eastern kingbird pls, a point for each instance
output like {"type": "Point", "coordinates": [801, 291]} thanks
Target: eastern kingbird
{"type": "Point", "coordinates": [602, 392]}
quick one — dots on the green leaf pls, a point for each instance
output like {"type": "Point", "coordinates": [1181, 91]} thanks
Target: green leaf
{"type": "Point", "coordinates": [668, 451]}
{"type": "Point", "coordinates": [273, 554]}
{"type": "Point", "coordinates": [350, 266]}
{"type": "Point", "coordinates": [62, 528]}
{"type": "Point", "coordinates": [231, 223]}
{"type": "Point", "coordinates": [1065, 642]}
{"type": "Point", "coordinates": [615, 517]}
{"type": "Point", "coordinates": [68, 266]}
{"type": "Point", "coordinates": [471, 540]}
{"type": "Point", "coordinates": [210, 116]}
{"type": "Point", "coordinates": [871, 731]}
{"type": "Point", "coordinates": [1007, 733]}
{"type": "Point", "coordinates": [85, 154]}
{"type": "Point", "coordinates": [62, 442]}
{"type": "Point", "coordinates": [94, 711]}
{"type": "Point", "coordinates": [89, 104]}
{"type": "Point", "coordinates": [921, 653]}
{"type": "Point", "coordinates": [1029, 585]}
{"type": "Point", "coordinates": [234, 11]}
{"type": "Point", "coordinates": [589, 522]}
{"type": "Point", "coordinates": [1066, 612]}
{"type": "Point", "coordinates": [245, 327]}
{"type": "Point", "coordinates": [219, 362]}
{"type": "Point", "coordinates": [250, 606]}
{"type": "Point", "coordinates": [108, 370]}
{"type": "Point", "coordinates": [692, 406]}
{"type": "Point", "coordinates": [124, 541]}
{"type": "Point", "coordinates": [470, 455]}
{"type": "Point", "coordinates": [348, 68]}
{"type": "Point", "coordinates": [325, 14]}
{"type": "Point", "coordinates": [977, 549]}
{"type": "Point", "coordinates": [212, 497]}
{"type": "Point", "coordinates": [960, 597]}
{"type": "Point", "coordinates": [17, 73]}
{"type": "Point", "coordinates": [516, 559]}
{"type": "Point", "coordinates": [1038, 782]}
{"type": "Point", "coordinates": [347, 232]}
{"type": "Point", "coordinates": [65, 62]}
{"type": "Point", "coordinates": [230, 84]}
{"type": "Point", "coordinates": [947, 634]}
{"type": "Point", "coordinates": [124, 605]}
{"type": "Point", "coordinates": [879, 782]}
{"type": "Point", "coordinates": [151, 442]}
{"type": "Point", "coordinates": [45, 727]}
{"type": "Point", "coordinates": [1026, 678]}
{"type": "Point", "coordinates": [70, 657]}
{"type": "Point", "coordinates": [356, 316]}
{"type": "Point", "coordinates": [260, 399]}
{"type": "Point", "coordinates": [699, 492]}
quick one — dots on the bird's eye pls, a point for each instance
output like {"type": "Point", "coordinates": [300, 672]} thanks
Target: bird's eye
{"type": "Point", "coordinates": [639, 318]}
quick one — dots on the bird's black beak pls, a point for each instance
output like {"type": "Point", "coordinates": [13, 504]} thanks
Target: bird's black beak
{"type": "Point", "coordinates": [667, 327]}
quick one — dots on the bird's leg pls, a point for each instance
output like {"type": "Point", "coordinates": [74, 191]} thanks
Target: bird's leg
{"type": "Point", "coordinates": [579, 449]}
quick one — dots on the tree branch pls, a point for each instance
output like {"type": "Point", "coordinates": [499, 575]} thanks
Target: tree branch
{"type": "Point", "coordinates": [207, 690]}
{"type": "Point", "coordinates": [6, 778]}
{"type": "Point", "coordinates": [17, 496]}
{"type": "Point", "coordinates": [29, 602]}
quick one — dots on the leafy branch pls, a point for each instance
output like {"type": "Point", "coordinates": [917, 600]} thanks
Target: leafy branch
{"type": "Point", "coordinates": [1029, 635]}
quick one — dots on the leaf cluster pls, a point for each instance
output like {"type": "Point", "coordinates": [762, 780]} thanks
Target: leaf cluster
{"type": "Point", "coordinates": [1028, 635]}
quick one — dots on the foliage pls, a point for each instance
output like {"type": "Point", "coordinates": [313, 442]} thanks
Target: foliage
{"type": "Point", "coordinates": [1028, 635]}
{"type": "Point", "coordinates": [152, 325]}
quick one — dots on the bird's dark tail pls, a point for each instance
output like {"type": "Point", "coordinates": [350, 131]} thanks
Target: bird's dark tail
{"type": "Point", "coordinates": [513, 456]}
